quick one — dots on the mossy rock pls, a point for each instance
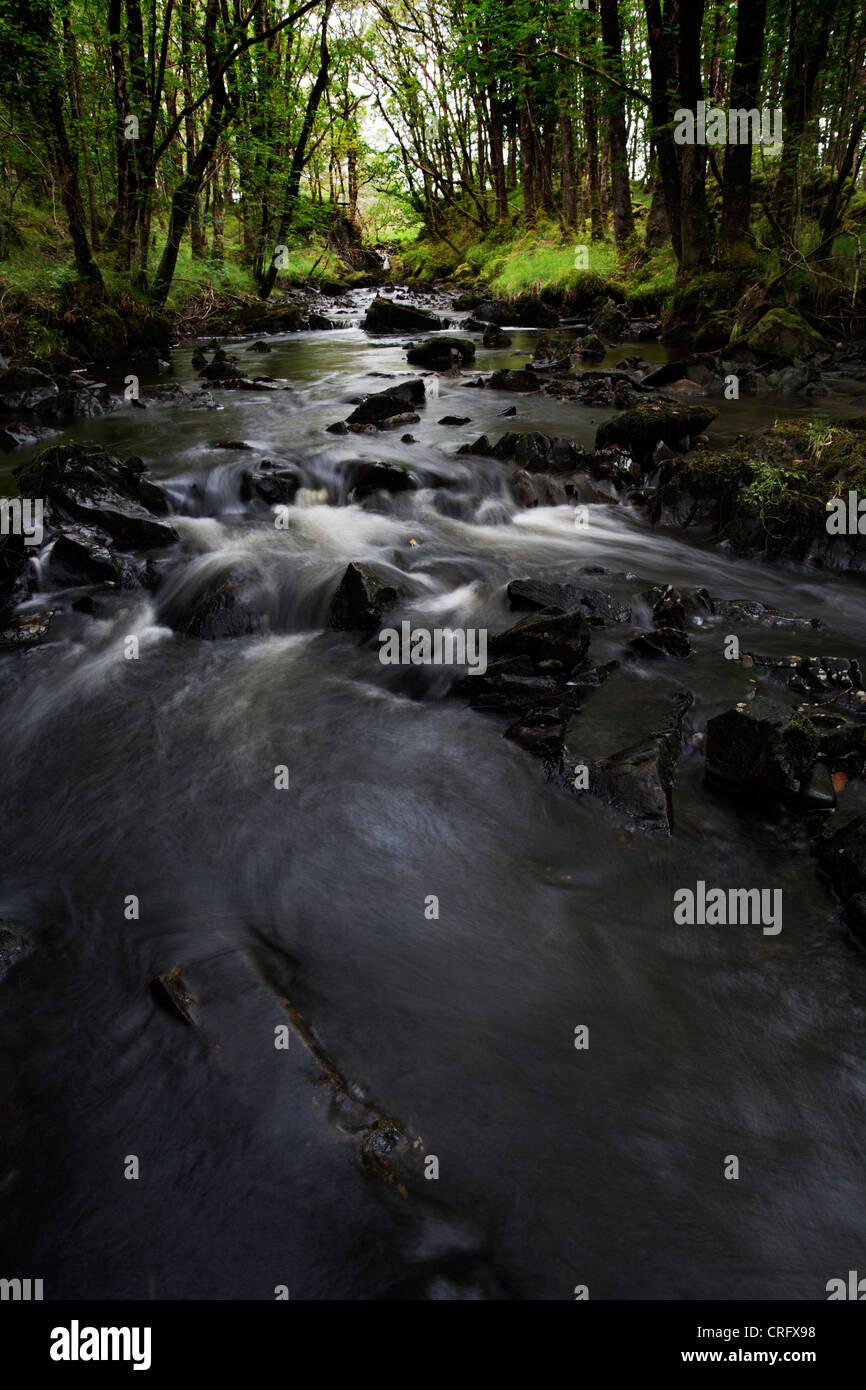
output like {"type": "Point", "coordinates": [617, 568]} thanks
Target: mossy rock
{"type": "Point", "coordinates": [715, 332]}
{"type": "Point", "coordinates": [784, 333]}
{"type": "Point", "coordinates": [640, 429]}
{"type": "Point", "coordinates": [705, 295]}
{"type": "Point", "coordinates": [98, 332]}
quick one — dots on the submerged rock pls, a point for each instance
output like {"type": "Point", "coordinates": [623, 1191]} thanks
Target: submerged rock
{"type": "Point", "coordinates": [638, 781]}
{"type": "Point", "coordinates": [662, 641]}
{"type": "Point", "coordinates": [23, 629]}
{"type": "Point", "coordinates": [13, 948]}
{"type": "Point", "coordinates": [170, 991]}
{"type": "Point", "coordinates": [226, 604]}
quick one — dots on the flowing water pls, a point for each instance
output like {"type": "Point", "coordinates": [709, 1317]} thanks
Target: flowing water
{"type": "Point", "coordinates": [558, 1167]}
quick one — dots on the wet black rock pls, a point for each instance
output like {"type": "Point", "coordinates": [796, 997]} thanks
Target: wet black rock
{"type": "Point", "coordinates": [842, 857]}
{"type": "Point", "coordinates": [13, 948]}
{"type": "Point", "coordinates": [82, 482]}
{"type": "Point", "coordinates": [386, 316]}
{"type": "Point", "coordinates": [222, 370]}
{"type": "Point", "coordinates": [662, 641]}
{"type": "Point", "coordinates": [540, 731]}
{"type": "Point", "coordinates": [14, 568]}
{"type": "Point", "coordinates": [761, 748]}
{"type": "Point", "coordinates": [547, 635]}
{"type": "Point", "coordinates": [394, 401]}
{"type": "Point", "coordinates": [495, 336]}
{"type": "Point", "coordinates": [83, 555]}
{"type": "Point", "coordinates": [640, 429]}
{"type": "Point", "coordinates": [367, 478]}
{"type": "Point", "coordinates": [276, 486]}
{"type": "Point", "coordinates": [441, 354]}
{"type": "Point", "coordinates": [24, 629]}
{"type": "Point", "coordinates": [24, 388]}
{"type": "Point", "coordinates": [227, 604]}
{"type": "Point", "coordinates": [599, 608]}
{"type": "Point", "coordinates": [591, 347]}
{"type": "Point", "coordinates": [610, 321]}
{"type": "Point", "coordinates": [171, 992]}
{"type": "Point", "coordinates": [638, 781]}
{"type": "Point", "coordinates": [665, 374]}
{"type": "Point", "coordinates": [514, 381]}
{"type": "Point", "coordinates": [835, 676]}
{"type": "Point", "coordinates": [360, 601]}
{"type": "Point", "coordinates": [456, 420]}
{"type": "Point", "coordinates": [671, 607]}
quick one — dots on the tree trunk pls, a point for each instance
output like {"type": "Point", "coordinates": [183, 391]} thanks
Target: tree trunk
{"type": "Point", "coordinates": [662, 83]}
{"type": "Point", "coordinates": [623, 220]}
{"type": "Point", "coordinates": [293, 183]}
{"type": "Point", "coordinates": [745, 91]}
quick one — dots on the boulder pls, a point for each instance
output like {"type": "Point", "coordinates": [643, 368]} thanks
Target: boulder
{"type": "Point", "coordinates": [83, 482]}
{"type": "Point", "coordinates": [275, 486]}
{"type": "Point", "coordinates": [638, 780]}
{"type": "Point", "coordinates": [599, 608]}
{"type": "Point", "coordinates": [386, 316]}
{"type": "Point", "coordinates": [665, 374]}
{"type": "Point", "coordinates": [367, 478]}
{"type": "Point", "coordinates": [495, 337]}
{"type": "Point", "coordinates": [547, 635]}
{"type": "Point", "coordinates": [82, 555]}
{"type": "Point", "coordinates": [226, 604]}
{"type": "Point", "coordinates": [397, 400]}
{"type": "Point", "coordinates": [440, 354]}
{"type": "Point", "coordinates": [784, 333]}
{"type": "Point", "coordinates": [640, 430]}
{"type": "Point", "coordinates": [609, 321]}
{"type": "Point", "coordinates": [763, 749]}
{"type": "Point", "coordinates": [591, 346]}
{"type": "Point", "coordinates": [360, 601]}
{"type": "Point", "coordinates": [514, 381]}
{"type": "Point", "coordinates": [843, 859]}
{"type": "Point", "coordinates": [24, 388]}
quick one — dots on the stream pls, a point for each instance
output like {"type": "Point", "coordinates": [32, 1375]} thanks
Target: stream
{"type": "Point", "coordinates": [558, 1167]}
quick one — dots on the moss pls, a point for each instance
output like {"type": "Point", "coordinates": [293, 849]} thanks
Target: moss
{"type": "Point", "coordinates": [706, 294]}
{"type": "Point", "coordinates": [783, 473]}
{"type": "Point", "coordinates": [802, 736]}
{"type": "Point", "coordinates": [784, 333]}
